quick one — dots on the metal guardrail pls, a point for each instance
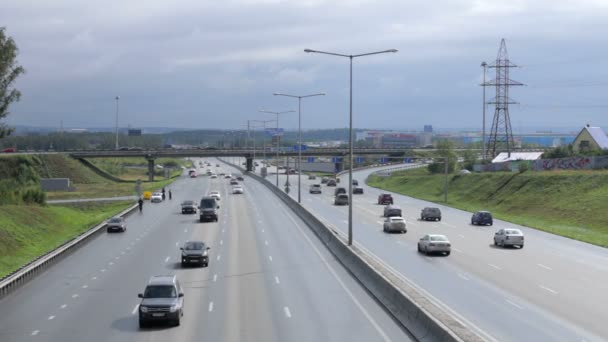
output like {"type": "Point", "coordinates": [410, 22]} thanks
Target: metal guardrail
{"type": "Point", "coordinates": [27, 272]}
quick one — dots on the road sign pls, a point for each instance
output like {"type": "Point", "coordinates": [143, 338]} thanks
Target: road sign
{"type": "Point", "coordinates": [359, 160]}
{"type": "Point", "coordinates": [295, 147]}
{"type": "Point", "coordinates": [383, 160]}
{"type": "Point", "coordinates": [408, 160]}
{"type": "Point", "coordinates": [336, 159]}
{"type": "Point", "coordinates": [311, 159]}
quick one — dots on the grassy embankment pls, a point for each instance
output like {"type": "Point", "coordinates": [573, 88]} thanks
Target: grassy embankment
{"type": "Point", "coordinates": [28, 231]}
{"type": "Point", "coordinates": [567, 203]}
{"type": "Point", "coordinates": [87, 184]}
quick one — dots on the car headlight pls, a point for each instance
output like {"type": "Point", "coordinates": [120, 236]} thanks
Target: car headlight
{"type": "Point", "coordinates": [205, 253]}
{"type": "Point", "coordinates": [173, 308]}
{"type": "Point", "coordinates": [143, 308]}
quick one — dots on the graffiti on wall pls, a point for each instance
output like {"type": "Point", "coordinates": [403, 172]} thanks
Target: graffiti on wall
{"type": "Point", "coordinates": [573, 163]}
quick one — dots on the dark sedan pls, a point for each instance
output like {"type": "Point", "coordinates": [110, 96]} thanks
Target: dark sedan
{"type": "Point", "coordinates": [188, 207]}
{"type": "Point", "coordinates": [195, 252]}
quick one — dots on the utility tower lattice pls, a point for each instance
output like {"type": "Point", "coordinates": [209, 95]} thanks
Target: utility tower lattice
{"type": "Point", "coordinates": [501, 135]}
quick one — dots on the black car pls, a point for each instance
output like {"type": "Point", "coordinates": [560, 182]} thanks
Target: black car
{"type": "Point", "coordinates": [430, 214]}
{"type": "Point", "coordinates": [162, 301]}
{"type": "Point", "coordinates": [339, 190]}
{"type": "Point", "coordinates": [188, 207]}
{"type": "Point", "coordinates": [358, 191]}
{"type": "Point", "coordinates": [331, 182]}
{"type": "Point", "coordinates": [208, 209]}
{"type": "Point", "coordinates": [483, 218]}
{"type": "Point", "coordinates": [195, 252]}
{"type": "Point", "coordinates": [240, 178]}
{"type": "Point", "coordinates": [324, 180]}
{"type": "Point", "coordinates": [233, 182]}
{"type": "Point", "coordinates": [355, 182]}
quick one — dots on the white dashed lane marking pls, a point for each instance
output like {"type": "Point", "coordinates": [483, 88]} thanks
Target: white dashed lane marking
{"type": "Point", "coordinates": [215, 277]}
{"type": "Point", "coordinates": [276, 280]}
{"type": "Point", "coordinates": [63, 306]}
{"type": "Point", "coordinates": [287, 312]}
{"type": "Point", "coordinates": [75, 295]}
{"type": "Point", "coordinates": [218, 257]}
{"type": "Point", "coordinates": [167, 259]}
{"type": "Point", "coordinates": [514, 304]}
{"type": "Point", "coordinates": [270, 257]}
{"type": "Point", "coordinates": [496, 267]}
{"type": "Point", "coordinates": [51, 317]}
{"type": "Point", "coordinates": [463, 276]}
{"type": "Point", "coordinates": [548, 289]}
{"type": "Point", "coordinates": [545, 267]}
{"type": "Point", "coordinates": [35, 332]}
{"type": "Point", "coordinates": [210, 306]}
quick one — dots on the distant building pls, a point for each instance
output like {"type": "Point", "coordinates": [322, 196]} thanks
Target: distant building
{"type": "Point", "coordinates": [134, 132]}
{"type": "Point", "coordinates": [590, 138]}
{"type": "Point", "coordinates": [428, 128]}
{"type": "Point", "coordinates": [399, 140]}
{"type": "Point", "coordinates": [514, 156]}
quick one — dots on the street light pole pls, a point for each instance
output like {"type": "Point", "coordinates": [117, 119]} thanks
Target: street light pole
{"type": "Point", "coordinates": [350, 134]}
{"type": "Point", "coordinates": [299, 97]}
{"type": "Point", "coordinates": [117, 98]}
{"type": "Point", "coordinates": [278, 136]}
{"type": "Point", "coordinates": [483, 132]}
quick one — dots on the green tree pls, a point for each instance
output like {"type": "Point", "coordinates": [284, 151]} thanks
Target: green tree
{"type": "Point", "coordinates": [9, 71]}
{"type": "Point", "coordinates": [445, 149]}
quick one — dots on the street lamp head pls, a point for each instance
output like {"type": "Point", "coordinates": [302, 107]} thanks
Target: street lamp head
{"type": "Point", "coordinates": [484, 64]}
{"type": "Point", "coordinates": [117, 97]}
{"type": "Point", "coordinates": [392, 50]}
{"type": "Point", "coordinates": [309, 50]}
{"type": "Point", "coordinates": [277, 94]}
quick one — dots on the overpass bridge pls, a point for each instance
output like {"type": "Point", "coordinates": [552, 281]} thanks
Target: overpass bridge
{"type": "Point", "coordinates": [249, 153]}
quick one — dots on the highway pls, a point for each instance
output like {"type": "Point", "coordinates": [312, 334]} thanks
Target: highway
{"type": "Point", "coordinates": [269, 279]}
{"type": "Point", "coordinates": [552, 290]}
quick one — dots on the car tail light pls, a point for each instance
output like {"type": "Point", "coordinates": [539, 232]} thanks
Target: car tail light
{"type": "Point", "coordinates": [432, 244]}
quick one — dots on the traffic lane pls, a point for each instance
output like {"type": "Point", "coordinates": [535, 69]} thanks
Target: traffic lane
{"type": "Point", "coordinates": [37, 308]}
{"type": "Point", "coordinates": [295, 257]}
{"type": "Point", "coordinates": [304, 269]}
{"type": "Point", "coordinates": [503, 321]}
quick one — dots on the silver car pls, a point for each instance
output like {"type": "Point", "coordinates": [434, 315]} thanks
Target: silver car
{"type": "Point", "coordinates": [116, 224]}
{"type": "Point", "coordinates": [394, 224]}
{"type": "Point", "coordinates": [509, 237]}
{"type": "Point", "coordinates": [341, 199]}
{"type": "Point", "coordinates": [434, 243]}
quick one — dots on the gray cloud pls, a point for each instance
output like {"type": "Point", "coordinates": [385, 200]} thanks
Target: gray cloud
{"type": "Point", "coordinates": [215, 63]}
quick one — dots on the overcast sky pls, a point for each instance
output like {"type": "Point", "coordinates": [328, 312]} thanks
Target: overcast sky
{"type": "Point", "coordinates": [214, 64]}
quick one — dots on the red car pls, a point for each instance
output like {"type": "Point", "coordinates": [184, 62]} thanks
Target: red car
{"type": "Point", "coordinates": [385, 199]}
{"type": "Point", "coordinates": [9, 150]}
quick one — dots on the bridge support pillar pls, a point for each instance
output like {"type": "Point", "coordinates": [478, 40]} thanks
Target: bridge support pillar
{"type": "Point", "coordinates": [150, 160]}
{"type": "Point", "coordinates": [249, 164]}
{"type": "Point", "coordinates": [339, 167]}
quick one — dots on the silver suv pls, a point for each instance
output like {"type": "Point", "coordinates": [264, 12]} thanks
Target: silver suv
{"type": "Point", "coordinates": [162, 300]}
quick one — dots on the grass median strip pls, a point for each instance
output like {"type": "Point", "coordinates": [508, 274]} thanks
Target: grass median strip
{"type": "Point", "coordinates": [28, 231]}
{"type": "Point", "coordinates": [567, 203]}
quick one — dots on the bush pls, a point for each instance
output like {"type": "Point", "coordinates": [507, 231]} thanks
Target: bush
{"type": "Point", "coordinates": [30, 196]}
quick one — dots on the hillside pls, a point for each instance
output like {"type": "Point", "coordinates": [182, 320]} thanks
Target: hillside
{"type": "Point", "coordinates": [568, 203]}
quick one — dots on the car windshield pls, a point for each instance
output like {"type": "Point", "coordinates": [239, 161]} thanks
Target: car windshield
{"type": "Point", "coordinates": [397, 220]}
{"type": "Point", "coordinates": [160, 291]}
{"type": "Point", "coordinates": [115, 220]}
{"type": "Point", "coordinates": [193, 246]}
{"type": "Point", "coordinates": [485, 215]}
{"type": "Point", "coordinates": [188, 203]}
{"type": "Point", "coordinates": [214, 193]}
{"type": "Point", "coordinates": [512, 232]}
{"type": "Point", "coordinates": [438, 238]}
{"type": "Point", "coordinates": [433, 210]}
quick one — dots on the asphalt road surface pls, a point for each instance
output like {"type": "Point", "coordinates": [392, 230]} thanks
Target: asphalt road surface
{"type": "Point", "coordinates": [269, 279]}
{"type": "Point", "coordinates": [555, 289]}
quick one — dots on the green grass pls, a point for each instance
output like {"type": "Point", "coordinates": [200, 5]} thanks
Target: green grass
{"type": "Point", "coordinates": [567, 203]}
{"type": "Point", "coordinates": [106, 189]}
{"type": "Point", "coordinates": [133, 168]}
{"type": "Point", "coordinates": [27, 232]}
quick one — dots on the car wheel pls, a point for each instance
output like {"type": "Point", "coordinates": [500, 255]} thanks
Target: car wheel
{"type": "Point", "coordinates": [439, 219]}
{"type": "Point", "coordinates": [142, 323]}
{"type": "Point", "coordinates": [108, 230]}
{"type": "Point", "coordinates": [206, 264]}
{"type": "Point", "coordinates": [178, 321]}
{"type": "Point", "coordinates": [495, 244]}
{"type": "Point", "coordinates": [522, 246]}
{"type": "Point", "coordinates": [419, 250]}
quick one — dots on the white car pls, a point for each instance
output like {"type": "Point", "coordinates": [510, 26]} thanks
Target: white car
{"type": "Point", "coordinates": [434, 243]}
{"type": "Point", "coordinates": [509, 237]}
{"type": "Point", "coordinates": [237, 189]}
{"type": "Point", "coordinates": [394, 224]}
{"type": "Point", "coordinates": [215, 194]}
{"type": "Point", "coordinates": [157, 197]}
